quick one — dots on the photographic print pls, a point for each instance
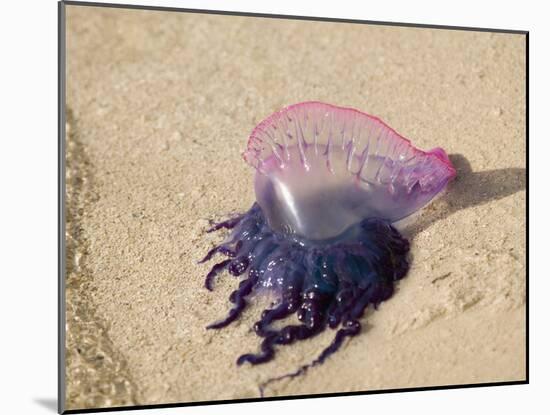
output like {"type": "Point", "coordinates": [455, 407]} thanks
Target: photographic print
{"type": "Point", "coordinates": [266, 206]}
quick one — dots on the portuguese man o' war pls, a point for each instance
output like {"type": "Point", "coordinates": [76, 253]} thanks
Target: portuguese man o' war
{"type": "Point", "coordinates": [330, 183]}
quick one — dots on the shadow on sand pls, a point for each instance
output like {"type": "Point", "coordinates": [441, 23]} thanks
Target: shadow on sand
{"type": "Point", "coordinates": [469, 189]}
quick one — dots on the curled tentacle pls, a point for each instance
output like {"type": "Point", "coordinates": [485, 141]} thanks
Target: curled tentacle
{"type": "Point", "coordinates": [238, 298]}
{"type": "Point", "coordinates": [312, 314]}
{"type": "Point", "coordinates": [257, 256]}
{"type": "Point", "coordinates": [351, 328]}
{"type": "Point", "coordinates": [290, 302]}
{"type": "Point", "coordinates": [215, 270]}
{"type": "Point", "coordinates": [227, 224]}
{"type": "Point", "coordinates": [223, 249]}
{"type": "Point", "coordinates": [261, 327]}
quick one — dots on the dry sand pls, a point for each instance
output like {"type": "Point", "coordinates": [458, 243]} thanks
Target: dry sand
{"type": "Point", "coordinates": [159, 108]}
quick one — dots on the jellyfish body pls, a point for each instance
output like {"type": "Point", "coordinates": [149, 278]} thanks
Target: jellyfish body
{"type": "Point", "coordinates": [329, 183]}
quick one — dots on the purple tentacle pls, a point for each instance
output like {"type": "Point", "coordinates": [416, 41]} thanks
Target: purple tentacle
{"type": "Point", "coordinates": [312, 313]}
{"type": "Point", "coordinates": [289, 305]}
{"type": "Point", "coordinates": [215, 270]}
{"type": "Point", "coordinates": [238, 298]}
{"type": "Point", "coordinates": [261, 327]}
{"type": "Point", "coordinates": [287, 335]}
{"type": "Point", "coordinates": [352, 328]}
{"type": "Point", "coordinates": [227, 224]}
{"type": "Point", "coordinates": [222, 249]}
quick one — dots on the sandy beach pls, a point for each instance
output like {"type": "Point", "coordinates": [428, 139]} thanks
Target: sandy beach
{"type": "Point", "coordinates": [159, 109]}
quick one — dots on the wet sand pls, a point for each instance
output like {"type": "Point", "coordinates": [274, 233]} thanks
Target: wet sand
{"type": "Point", "coordinates": [159, 109]}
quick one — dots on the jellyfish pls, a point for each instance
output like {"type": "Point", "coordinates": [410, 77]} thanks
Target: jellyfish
{"type": "Point", "coordinates": [330, 183]}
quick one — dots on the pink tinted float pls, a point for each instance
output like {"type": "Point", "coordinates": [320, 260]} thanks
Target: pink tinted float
{"type": "Point", "coordinates": [322, 168]}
